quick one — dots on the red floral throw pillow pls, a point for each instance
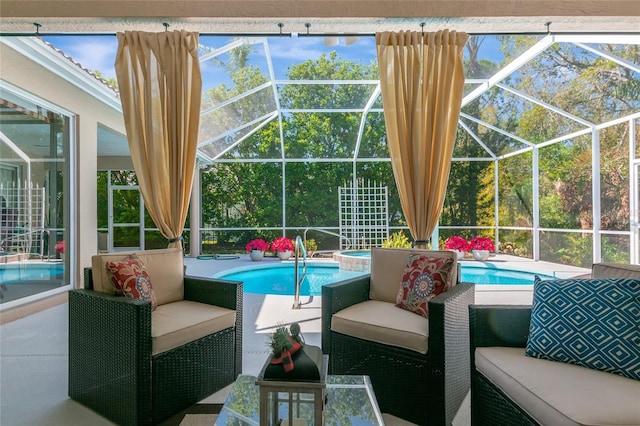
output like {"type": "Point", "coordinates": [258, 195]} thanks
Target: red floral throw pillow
{"type": "Point", "coordinates": [130, 278]}
{"type": "Point", "coordinates": [423, 278]}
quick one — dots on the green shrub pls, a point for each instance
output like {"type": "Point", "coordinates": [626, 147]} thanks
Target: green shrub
{"type": "Point", "coordinates": [397, 240]}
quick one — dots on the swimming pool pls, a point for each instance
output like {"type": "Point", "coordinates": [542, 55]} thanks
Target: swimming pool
{"type": "Point", "coordinates": [278, 278]}
{"type": "Point", "coordinates": [13, 273]}
{"type": "Point", "coordinates": [491, 274]}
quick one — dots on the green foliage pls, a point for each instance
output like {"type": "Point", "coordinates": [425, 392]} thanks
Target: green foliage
{"type": "Point", "coordinates": [250, 195]}
{"type": "Point", "coordinates": [570, 248]}
{"type": "Point", "coordinates": [126, 210]}
{"type": "Point", "coordinates": [311, 245]}
{"type": "Point", "coordinates": [283, 339]}
{"type": "Point", "coordinates": [615, 249]}
{"type": "Point", "coordinates": [397, 239]}
{"type": "Point", "coordinates": [280, 341]}
{"type": "Point", "coordinates": [112, 82]}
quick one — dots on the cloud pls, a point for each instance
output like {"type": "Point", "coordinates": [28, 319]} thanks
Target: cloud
{"type": "Point", "coordinates": [296, 50]}
{"type": "Point", "coordinates": [95, 53]}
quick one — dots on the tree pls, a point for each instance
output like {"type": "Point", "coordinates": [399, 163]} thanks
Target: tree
{"type": "Point", "coordinates": [594, 89]}
{"type": "Point", "coordinates": [248, 195]}
{"type": "Point", "coordinates": [112, 82]}
{"type": "Point", "coordinates": [469, 191]}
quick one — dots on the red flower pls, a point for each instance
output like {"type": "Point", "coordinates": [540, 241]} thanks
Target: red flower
{"type": "Point", "coordinates": [281, 244]}
{"type": "Point", "coordinates": [59, 248]}
{"type": "Point", "coordinates": [257, 244]}
{"type": "Point", "coordinates": [457, 243]}
{"type": "Point", "coordinates": [482, 243]}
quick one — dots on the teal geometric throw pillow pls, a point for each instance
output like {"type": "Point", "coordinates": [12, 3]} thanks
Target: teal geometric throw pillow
{"type": "Point", "coordinates": [590, 322]}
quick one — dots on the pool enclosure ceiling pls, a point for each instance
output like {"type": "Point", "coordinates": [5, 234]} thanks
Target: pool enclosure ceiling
{"type": "Point", "coordinates": [293, 78]}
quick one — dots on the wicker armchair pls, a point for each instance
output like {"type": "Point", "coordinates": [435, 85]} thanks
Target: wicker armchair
{"type": "Point", "coordinates": [420, 388]}
{"type": "Point", "coordinates": [115, 367]}
{"type": "Point", "coordinates": [503, 326]}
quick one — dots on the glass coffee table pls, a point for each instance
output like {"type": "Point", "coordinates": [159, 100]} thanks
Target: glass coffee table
{"type": "Point", "coordinates": [350, 401]}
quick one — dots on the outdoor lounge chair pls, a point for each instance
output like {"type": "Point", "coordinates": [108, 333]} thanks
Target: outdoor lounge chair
{"type": "Point", "coordinates": [135, 366]}
{"type": "Point", "coordinates": [576, 383]}
{"type": "Point", "coordinates": [419, 367]}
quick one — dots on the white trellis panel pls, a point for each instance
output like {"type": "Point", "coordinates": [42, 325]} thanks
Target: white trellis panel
{"type": "Point", "coordinates": [364, 219]}
{"type": "Point", "coordinates": [22, 212]}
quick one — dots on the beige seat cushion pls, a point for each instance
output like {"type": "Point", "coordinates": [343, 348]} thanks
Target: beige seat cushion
{"type": "Point", "coordinates": [555, 393]}
{"type": "Point", "coordinates": [383, 323]}
{"type": "Point", "coordinates": [177, 323]}
{"type": "Point", "coordinates": [387, 265]}
{"type": "Point", "coordinates": [615, 270]}
{"type": "Point", "coordinates": [165, 268]}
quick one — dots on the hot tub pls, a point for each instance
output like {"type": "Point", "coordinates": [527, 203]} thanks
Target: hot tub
{"type": "Point", "coordinates": [354, 260]}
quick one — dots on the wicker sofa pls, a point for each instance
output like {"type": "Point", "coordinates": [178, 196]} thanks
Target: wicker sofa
{"type": "Point", "coordinates": [509, 388]}
{"type": "Point", "coordinates": [136, 366]}
{"type": "Point", "coordinates": [418, 366]}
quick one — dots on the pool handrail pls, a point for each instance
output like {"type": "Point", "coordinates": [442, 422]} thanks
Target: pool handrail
{"type": "Point", "coordinates": [342, 237]}
{"type": "Point", "coordinates": [298, 248]}
{"type": "Point", "coordinates": [20, 236]}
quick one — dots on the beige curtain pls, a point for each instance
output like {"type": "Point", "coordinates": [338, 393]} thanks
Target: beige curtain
{"type": "Point", "coordinates": [160, 88]}
{"type": "Point", "coordinates": [421, 78]}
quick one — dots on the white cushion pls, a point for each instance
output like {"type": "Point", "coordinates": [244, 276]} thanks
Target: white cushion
{"type": "Point", "coordinates": [177, 323]}
{"type": "Point", "coordinates": [164, 266]}
{"type": "Point", "coordinates": [382, 322]}
{"type": "Point", "coordinates": [556, 393]}
{"type": "Point", "coordinates": [615, 270]}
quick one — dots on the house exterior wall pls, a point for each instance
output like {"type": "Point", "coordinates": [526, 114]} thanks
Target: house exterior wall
{"type": "Point", "coordinates": [17, 69]}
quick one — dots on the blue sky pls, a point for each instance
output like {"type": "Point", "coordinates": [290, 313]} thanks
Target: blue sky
{"type": "Point", "coordinates": [98, 52]}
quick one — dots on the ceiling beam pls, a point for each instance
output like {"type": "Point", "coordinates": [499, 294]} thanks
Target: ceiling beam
{"type": "Point", "coordinates": [317, 8]}
{"type": "Point", "coordinates": [320, 16]}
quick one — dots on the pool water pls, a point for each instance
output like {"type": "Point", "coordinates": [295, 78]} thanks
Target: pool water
{"type": "Point", "coordinates": [13, 273]}
{"type": "Point", "coordinates": [357, 253]}
{"type": "Point", "coordinates": [279, 278]}
{"type": "Point", "coordinates": [493, 275]}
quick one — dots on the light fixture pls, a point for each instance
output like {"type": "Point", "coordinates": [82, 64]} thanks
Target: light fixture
{"type": "Point", "coordinates": [334, 40]}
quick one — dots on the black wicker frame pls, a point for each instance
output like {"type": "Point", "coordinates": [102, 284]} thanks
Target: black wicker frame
{"type": "Point", "coordinates": [422, 389]}
{"type": "Point", "coordinates": [112, 370]}
{"type": "Point", "coordinates": [499, 325]}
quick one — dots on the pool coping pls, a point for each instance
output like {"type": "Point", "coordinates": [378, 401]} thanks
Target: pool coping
{"type": "Point", "coordinates": [512, 263]}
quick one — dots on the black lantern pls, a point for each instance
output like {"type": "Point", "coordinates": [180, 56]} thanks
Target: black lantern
{"type": "Point", "coordinates": [292, 382]}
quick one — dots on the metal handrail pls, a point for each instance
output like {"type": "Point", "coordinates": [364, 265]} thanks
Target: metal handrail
{"type": "Point", "coordinates": [299, 248]}
{"type": "Point", "coordinates": [342, 237]}
{"type": "Point", "coordinates": [26, 233]}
